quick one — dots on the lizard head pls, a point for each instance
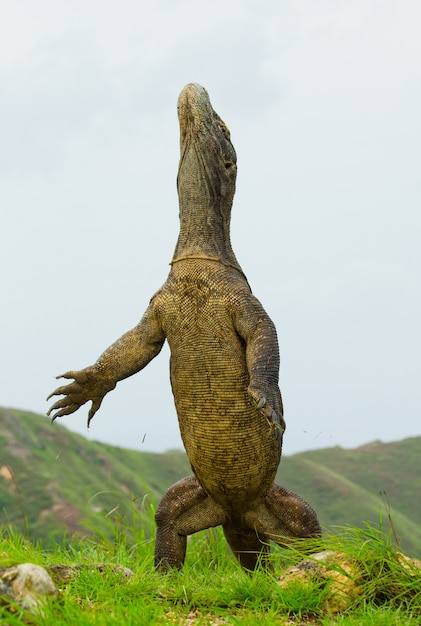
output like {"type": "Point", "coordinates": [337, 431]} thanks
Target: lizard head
{"type": "Point", "coordinates": [208, 163]}
{"type": "Point", "coordinates": [206, 180]}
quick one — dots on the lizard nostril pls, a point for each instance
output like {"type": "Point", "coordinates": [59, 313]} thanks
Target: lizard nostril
{"type": "Point", "coordinates": [228, 164]}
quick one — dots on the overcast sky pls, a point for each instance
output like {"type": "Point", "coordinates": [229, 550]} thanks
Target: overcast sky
{"type": "Point", "coordinates": [323, 100]}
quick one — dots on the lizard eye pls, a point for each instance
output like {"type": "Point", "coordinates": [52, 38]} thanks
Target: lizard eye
{"type": "Point", "coordinates": [224, 130]}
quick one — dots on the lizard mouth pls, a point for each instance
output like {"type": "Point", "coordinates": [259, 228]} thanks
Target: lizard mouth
{"type": "Point", "coordinates": [194, 107]}
{"type": "Point", "coordinates": [198, 121]}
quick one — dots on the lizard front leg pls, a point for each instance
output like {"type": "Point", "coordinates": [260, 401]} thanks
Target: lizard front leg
{"type": "Point", "coordinates": [254, 325]}
{"type": "Point", "coordinates": [128, 355]}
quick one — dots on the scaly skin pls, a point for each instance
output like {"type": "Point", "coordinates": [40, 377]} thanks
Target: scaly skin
{"type": "Point", "coordinates": [224, 366]}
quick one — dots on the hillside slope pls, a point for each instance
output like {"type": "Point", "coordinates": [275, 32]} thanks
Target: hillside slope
{"type": "Point", "coordinates": [59, 480]}
{"type": "Point", "coordinates": [53, 480]}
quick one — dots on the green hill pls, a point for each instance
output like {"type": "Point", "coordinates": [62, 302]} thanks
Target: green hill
{"type": "Point", "coordinates": [53, 480]}
{"type": "Point", "coordinates": [353, 487]}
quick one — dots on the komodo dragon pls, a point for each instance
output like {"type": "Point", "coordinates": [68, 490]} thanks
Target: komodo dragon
{"type": "Point", "coordinates": [224, 366]}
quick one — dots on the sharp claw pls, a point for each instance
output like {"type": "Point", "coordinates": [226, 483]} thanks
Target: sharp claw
{"type": "Point", "coordinates": [94, 408]}
{"type": "Point", "coordinates": [62, 404]}
{"type": "Point", "coordinates": [56, 392]}
{"type": "Point", "coordinates": [268, 411]}
{"type": "Point", "coordinates": [58, 414]}
{"type": "Point", "coordinates": [276, 421]}
{"type": "Point", "coordinates": [279, 430]}
{"type": "Point", "coordinates": [261, 403]}
{"type": "Point", "coordinates": [65, 409]}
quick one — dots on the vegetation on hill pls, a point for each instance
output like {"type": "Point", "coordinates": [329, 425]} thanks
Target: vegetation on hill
{"type": "Point", "coordinates": [54, 481]}
{"type": "Point", "coordinates": [353, 487]}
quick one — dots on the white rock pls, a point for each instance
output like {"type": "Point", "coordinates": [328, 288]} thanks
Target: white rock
{"type": "Point", "coordinates": [26, 584]}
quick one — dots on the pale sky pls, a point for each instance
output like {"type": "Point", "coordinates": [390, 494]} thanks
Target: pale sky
{"type": "Point", "coordinates": [323, 100]}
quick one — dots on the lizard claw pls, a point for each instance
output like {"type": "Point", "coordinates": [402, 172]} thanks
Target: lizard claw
{"type": "Point", "coordinates": [96, 403]}
{"type": "Point", "coordinates": [274, 419]}
{"type": "Point", "coordinates": [86, 386]}
{"type": "Point", "coordinates": [256, 395]}
{"type": "Point", "coordinates": [261, 403]}
{"type": "Point", "coordinates": [279, 427]}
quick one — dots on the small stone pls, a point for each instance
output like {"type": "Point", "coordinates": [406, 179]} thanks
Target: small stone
{"type": "Point", "coordinates": [408, 563]}
{"type": "Point", "coordinates": [26, 584]}
{"type": "Point", "coordinates": [62, 574]}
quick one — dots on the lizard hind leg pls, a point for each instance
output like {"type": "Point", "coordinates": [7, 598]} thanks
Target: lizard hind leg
{"type": "Point", "coordinates": [284, 516]}
{"type": "Point", "coordinates": [184, 510]}
{"type": "Point", "coordinates": [250, 550]}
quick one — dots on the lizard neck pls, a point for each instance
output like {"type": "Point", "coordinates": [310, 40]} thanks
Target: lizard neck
{"type": "Point", "coordinates": [204, 223]}
{"type": "Point", "coordinates": [206, 181]}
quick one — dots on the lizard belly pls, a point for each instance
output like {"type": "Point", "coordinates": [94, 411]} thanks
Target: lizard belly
{"type": "Point", "coordinates": [230, 444]}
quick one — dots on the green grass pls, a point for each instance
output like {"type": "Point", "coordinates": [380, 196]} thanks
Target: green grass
{"type": "Point", "coordinates": [211, 588]}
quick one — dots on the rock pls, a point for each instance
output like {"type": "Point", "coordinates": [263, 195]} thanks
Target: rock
{"type": "Point", "coordinates": [26, 584]}
{"type": "Point", "coordinates": [342, 577]}
{"type": "Point", "coordinates": [331, 568]}
{"type": "Point", "coordinates": [62, 574]}
{"type": "Point", "coordinates": [409, 564]}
